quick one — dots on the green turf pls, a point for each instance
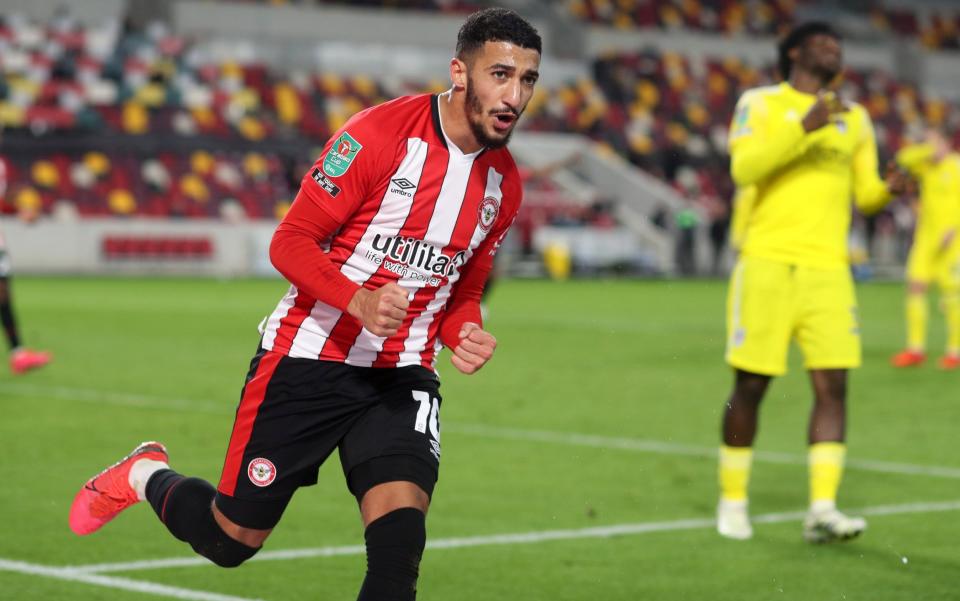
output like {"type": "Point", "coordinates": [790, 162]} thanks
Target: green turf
{"type": "Point", "coordinates": [139, 359]}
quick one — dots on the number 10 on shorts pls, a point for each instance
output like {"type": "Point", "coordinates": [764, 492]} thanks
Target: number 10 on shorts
{"type": "Point", "coordinates": [427, 414]}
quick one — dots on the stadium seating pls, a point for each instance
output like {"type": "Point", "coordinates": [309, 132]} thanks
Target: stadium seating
{"type": "Point", "coordinates": [456, 6]}
{"type": "Point", "coordinates": [934, 28]}
{"type": "Point", "coordinates": [664, 112]}
{"type": "Point", "coordinates": [727, 16]}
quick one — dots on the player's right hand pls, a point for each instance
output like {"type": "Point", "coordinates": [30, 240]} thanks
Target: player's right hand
{"type": "Point", "coordinates": [380, 311]}
{"type": "Point", "coordinates": [827, 104]}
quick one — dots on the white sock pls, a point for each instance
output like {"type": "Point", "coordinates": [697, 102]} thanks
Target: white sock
{"type": "Point", "coordinates": [823, 506]}
{"type": "Point", "coordinates": [140, 472]}
{"type": "Point", "coordinates": [730, 504]}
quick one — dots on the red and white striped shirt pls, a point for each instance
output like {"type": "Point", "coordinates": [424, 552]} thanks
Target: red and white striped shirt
{"type": "Point", "coordinates": [390, 199]}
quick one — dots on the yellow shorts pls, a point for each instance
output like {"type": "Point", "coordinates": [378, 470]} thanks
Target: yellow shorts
{"type": "Point", "coordinates": [929, 263]}
{"type": "Point", "coordinates": [769, 303]}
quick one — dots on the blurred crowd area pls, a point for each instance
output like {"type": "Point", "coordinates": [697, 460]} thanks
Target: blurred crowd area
{"type": "Point", "coordinates": [125, 120]}
{"type": "Point", "coordinates": [937, 28]}
{"type": "Point", "coordinates": [447, 6]}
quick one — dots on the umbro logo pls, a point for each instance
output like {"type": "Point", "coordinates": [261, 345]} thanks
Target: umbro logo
{"type": "Point", "coordinates": [403, 187]}
{"type": "Point", "coordinates": [403, 183]}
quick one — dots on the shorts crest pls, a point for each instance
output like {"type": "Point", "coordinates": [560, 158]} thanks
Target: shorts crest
{"type": "Point", "coordinates": [261, 472]}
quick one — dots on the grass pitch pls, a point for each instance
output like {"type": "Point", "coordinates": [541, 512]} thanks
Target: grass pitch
{"type": "Point", "coordinates": [600, 409]}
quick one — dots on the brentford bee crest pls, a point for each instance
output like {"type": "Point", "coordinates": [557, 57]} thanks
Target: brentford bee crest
{"type": "Point", "coordinates": [261, 472]}
{"type": "Point", "coordinates": [489, 209]}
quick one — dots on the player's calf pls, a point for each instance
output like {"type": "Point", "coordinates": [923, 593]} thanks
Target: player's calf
{"type": "Point", "coordinates": [185, 506]}
{"type": "Point", "coordinates": [395, 545]}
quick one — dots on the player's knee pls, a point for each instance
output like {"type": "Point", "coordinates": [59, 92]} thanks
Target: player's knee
{"type": "Point", "coordinates": [219, 547]}
{"type": "Point", "coordinates": [750, 387]}
{"type": "Point", "coordinates": [224, 551]}
{"type": "Point", "coordinates": [831, 391]}
{"type": "Point", "coordinates": [189, 516]}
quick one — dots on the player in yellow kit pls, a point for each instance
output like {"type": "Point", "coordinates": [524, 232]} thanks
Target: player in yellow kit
{"type": "Point", "coordinates": [798, 156]}
{"type": "Point", "coordinates": [935, 254]}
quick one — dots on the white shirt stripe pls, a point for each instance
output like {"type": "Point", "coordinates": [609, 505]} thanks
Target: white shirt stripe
{"type": "Point", "coordinates": [439, 233]}
{"type": "Point", "coordinates": [419, 329]}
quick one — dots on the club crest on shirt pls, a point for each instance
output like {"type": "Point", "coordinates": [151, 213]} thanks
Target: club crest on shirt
{"type": "Point", "coordinates": [261, 472]}
{"type": "Point", "coordinates": [341, 154]}
{"type": "Point", "coordinates": [489, 208]}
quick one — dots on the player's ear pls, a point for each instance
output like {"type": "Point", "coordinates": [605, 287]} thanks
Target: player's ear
{"type": "Point", "coordinates": [458, 74]}
{"type": "Point", "coordinates": [794, 54]}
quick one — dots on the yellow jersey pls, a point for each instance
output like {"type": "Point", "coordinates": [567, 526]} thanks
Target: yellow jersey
{"type": "Point", "coordinates": [742, 207]}
{"type": "Point", "coordinates": [939, 210]}
{"type": "Point", "coordinates": [803, 183]}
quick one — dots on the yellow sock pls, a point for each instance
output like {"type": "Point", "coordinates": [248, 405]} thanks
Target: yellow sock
{"type": "Point", "coordinates": [951, 308]}
{"type": "Point", "coordinates": [825, 460]}
{"type": "Point", "coordinates": [916, 322]}
{"type": "Point", "coordinates": [735, 472]}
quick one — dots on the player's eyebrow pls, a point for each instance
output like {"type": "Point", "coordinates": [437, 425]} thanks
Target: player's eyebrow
{"type": "Point", "coordinates": [512, 69]}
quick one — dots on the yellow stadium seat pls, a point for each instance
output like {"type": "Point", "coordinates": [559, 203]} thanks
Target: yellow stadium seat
{"type": "Point", "coordinates": [97, 163]}
{"type": "Point", "coordinates": [121, 202]}
{"type": "Point", "coordinates": [45, 174]}
{"type": "Point", "coordinates": [201, 162]}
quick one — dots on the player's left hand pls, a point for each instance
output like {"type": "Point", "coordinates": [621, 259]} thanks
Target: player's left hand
{"type": "Point", "coordinates": [475, 349]}
{"type": "Point", "coordinates": [897, 179]}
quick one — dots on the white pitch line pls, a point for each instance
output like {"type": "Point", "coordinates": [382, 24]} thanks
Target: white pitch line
{"type": "Point", "coordinates": [511, 539]}
{"type": "Point", "coordinates": [114, 582]}
{"type": "Point", "coordinates": [571, 438]}
{"type": "Point", "coordinates": [119, 399]}
{"type": "Point", "coordinates": [670, 448]}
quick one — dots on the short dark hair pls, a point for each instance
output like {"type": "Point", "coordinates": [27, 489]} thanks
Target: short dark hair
{"type": "Point", "coordinates": [496, 25]}
{"type": "Point", "coordinates": [797, 36]}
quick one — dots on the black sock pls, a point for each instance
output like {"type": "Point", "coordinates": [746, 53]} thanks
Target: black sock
{"type": "Point", "coordinates": [9, 324]}
{"type": "Point", "coordinates": [184, 505]}
{"type": "Point", "coordinates": [157, 489]}
{"type": "Point", "coordinates": [394, 547]}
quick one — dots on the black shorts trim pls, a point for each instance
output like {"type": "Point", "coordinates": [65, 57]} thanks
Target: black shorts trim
{"type": "Point", "coordinates": [392, 468]}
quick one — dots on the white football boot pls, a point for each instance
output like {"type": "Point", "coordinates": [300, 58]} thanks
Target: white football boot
{"type": "Point", "coordinates": [830, 525]}
{"type": "Point", "coordinates": [733, 520]}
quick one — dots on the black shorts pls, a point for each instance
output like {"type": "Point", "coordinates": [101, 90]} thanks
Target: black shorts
{"type": "Point", "coordinates": [294, 412]}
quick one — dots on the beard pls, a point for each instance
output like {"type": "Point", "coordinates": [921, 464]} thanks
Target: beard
{"type": "Point", "coordinates": [475, 115]}
{"type": "Point", "coordinates": [826, 73]}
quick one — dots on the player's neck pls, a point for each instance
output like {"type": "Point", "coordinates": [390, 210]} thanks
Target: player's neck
{"type": "Point", "coordinates": [453, 119]}
{"type": "Point", "coordinates": [806, 82]}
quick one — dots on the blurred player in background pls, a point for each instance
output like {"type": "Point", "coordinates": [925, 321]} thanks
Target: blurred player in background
{"type": "Point", "coordinates": [22, 359]}
{"type": "Point", "coordinates": [935, 254]}
{"type": "Point", "coordinates": [387, 247]}
{"type": "Point", "coordinates": [798, 155]}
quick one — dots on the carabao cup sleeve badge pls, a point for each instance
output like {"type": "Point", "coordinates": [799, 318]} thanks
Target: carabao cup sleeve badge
{"type": "Point", "coordinates": [340, 156]}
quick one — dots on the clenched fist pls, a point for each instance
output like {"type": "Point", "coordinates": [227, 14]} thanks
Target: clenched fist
{"type": "Point", "coordinates": [475, 349]}
{"type": "Point", "coordinates": [380, 311]}
{"type": "Point", "coordinates": [827, 105]}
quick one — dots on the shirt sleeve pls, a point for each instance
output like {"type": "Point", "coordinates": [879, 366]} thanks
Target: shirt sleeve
{"type": "Point", "coordinates": [761, 140]}
{"type": "Point", "coordinates": [915, 158]}
{"type": "Point", "coordinates": [464, 305]}
{"type": "Point", "coordinates": [347, 171]}
{"type": "Point", "coordinates": [869, 190]}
